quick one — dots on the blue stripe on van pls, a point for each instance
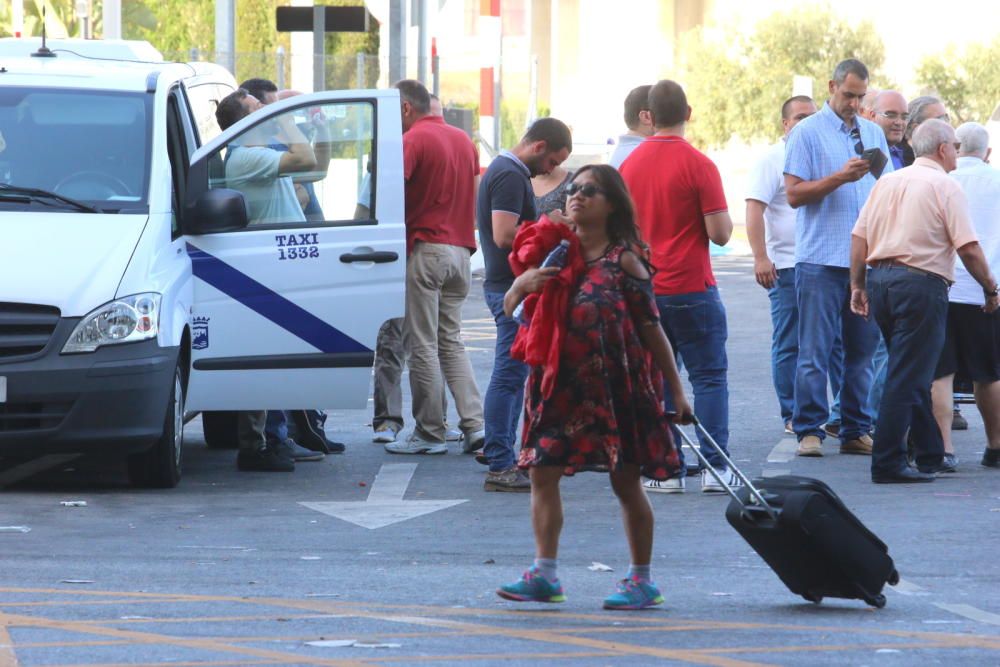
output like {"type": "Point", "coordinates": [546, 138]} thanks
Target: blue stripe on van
{"type": "Point", "coordinates": [268, 303]}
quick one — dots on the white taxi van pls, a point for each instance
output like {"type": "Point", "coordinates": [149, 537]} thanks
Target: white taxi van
{"type": "Point", "coordinates": [134, 284]}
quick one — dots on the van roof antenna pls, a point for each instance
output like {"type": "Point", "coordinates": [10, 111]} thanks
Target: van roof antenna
{"type": "Point", "coordinates": [43, 51]}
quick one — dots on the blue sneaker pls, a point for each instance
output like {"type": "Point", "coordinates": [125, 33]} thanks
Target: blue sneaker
{"type": "Point", "coordinates": [634, 594]}
{"type": "Point", "coordinates": [532, 587]}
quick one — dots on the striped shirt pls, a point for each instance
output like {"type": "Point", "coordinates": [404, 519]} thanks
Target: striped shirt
{"type": "Point", "coordinates": [818, 147]}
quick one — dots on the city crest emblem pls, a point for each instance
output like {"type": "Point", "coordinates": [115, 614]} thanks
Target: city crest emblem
{"type": "Point", "coordinates": [199, 333]}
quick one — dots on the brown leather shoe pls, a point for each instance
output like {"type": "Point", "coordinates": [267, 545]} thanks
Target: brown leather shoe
{"type": "Point", "coordinates": [862, 446]}
{"type": "Point", "coordinates": [511, 480]}
{"type": "Point", "coordinates": [810, 445]}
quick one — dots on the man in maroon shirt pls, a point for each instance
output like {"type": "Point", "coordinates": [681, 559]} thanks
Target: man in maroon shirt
{"type": "Point", "coordinates": [440, 169]}
{"type": "Point", "coordinates": [680, 206]}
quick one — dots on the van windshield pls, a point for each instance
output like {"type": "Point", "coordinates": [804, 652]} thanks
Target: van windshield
{"type": "Point", "coordinates": [89, 146]}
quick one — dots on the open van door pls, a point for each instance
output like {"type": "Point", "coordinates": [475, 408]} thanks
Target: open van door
{"type": "Point", "coordinates": [295, 271]}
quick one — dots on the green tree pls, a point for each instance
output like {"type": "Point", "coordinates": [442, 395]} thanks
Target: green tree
{"type": "Point", "coordinates": [61, 19]}
{"type": "Point", "coordinates": [176, 26]}
{"type": "Point", "coordinates": [737, 86]}
{"type": "Point", "coordinates": [967, 80]}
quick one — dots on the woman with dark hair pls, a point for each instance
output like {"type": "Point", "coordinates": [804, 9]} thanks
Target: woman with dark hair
{"type": "Point", "coordinates": [605, 410]}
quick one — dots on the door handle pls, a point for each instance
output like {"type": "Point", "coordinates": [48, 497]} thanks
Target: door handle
{"type": "Point", "coordinates": [379, 257]}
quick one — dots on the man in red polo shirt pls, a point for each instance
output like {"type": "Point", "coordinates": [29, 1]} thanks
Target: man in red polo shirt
{"type": "Point", "coordinates": [440, 168]}
{"type": "Point", "coordinates": [680, 206]}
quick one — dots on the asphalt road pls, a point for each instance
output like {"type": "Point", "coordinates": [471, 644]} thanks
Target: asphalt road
{"type": "Point", "coordinates": [238, 568]}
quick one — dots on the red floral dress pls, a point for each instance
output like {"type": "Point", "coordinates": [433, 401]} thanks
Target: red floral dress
{"type": "Point", "coordinates": [606, 408]}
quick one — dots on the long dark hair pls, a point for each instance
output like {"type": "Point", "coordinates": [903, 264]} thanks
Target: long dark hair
{"type": "Point", "coordinates": [622, 229]}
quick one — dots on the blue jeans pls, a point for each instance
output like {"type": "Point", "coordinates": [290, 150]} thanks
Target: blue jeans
{"type": "Point", "coordinates": [784, 340]}
{"type": "Point", "coordinates": [505, 396]}
{"type": "Point", "coordinates": [880, 362]}
{"type": "Point", "coordinates": [823, 295]}
{"type": "Point", "coordinates": [836, 379]}
{"type": "Point", "coordinates": [276, 426]}
{"type": "Point", "coordinates": [910, 309]}
{"type": "Point", "coordinates": [695, 324]}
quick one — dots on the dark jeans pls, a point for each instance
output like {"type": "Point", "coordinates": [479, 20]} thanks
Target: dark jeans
{"type": "Point", "coordinates": [823, 296]}
{"type": "Point", "coordinates": [784, 340]}
{"type": "Point", "coordinates": [910, 310]}
{"type": "Point", "coordinates": [695, 324]}
{"type": "Point", "coordinates": [505, 396]}
{"type": "Point", "coordinates": [276, 426]}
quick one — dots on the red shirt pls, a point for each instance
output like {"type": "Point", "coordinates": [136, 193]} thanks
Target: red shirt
{"type": "Point", "coordinates": [674, 187]}
{"type": "Point", "coordinates": [440, 165]}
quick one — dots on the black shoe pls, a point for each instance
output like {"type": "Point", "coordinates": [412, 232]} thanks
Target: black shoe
{"type": "Point", "coordinates": [958, 422]}
{"type": "Point", "coordinates": [903, 476]}
{"type": "Point", "coordinates": [267, 459]}
{"type": "Point", "coordinates": [991, 458]}
{"type": "Point", "coordinates": [948, 464]}
{"type": "Point", "coordinates": [297, 452]}
{"type": "Point", "coordinates": [310, 434]}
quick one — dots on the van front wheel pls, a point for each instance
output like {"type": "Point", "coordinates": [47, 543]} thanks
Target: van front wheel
{"type": "Point", "coordinates": [159, 467]}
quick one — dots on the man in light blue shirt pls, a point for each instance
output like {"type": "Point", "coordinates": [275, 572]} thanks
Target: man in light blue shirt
{"type": "Point", "coordinates": [828, 182]}
{"type": "Point", "coordinates": [639, 123]}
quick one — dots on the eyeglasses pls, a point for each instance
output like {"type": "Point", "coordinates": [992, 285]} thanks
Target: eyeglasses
{"type": "Point", "coordinates": [587, 189]}
{"type": "Point", "coordinates": [893, 116]}
{"type": "Point", "coordinates": [859, 147]}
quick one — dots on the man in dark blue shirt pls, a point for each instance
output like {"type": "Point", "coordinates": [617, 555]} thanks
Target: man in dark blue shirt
{"type": "Point", "coordinates": [505, 200]}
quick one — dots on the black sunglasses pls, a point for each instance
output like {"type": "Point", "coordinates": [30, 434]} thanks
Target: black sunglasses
{"type": "Point", "coordinates": [859, 147]}
{"type": "Point", "coordinates": [587, 189]}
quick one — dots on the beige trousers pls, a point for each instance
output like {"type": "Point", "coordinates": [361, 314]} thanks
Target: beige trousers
{"type": "Point", "coordinates": [437, 283]}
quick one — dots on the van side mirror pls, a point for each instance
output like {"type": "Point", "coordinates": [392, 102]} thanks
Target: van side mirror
{"type": "Point", "coordinates": [219, 210]}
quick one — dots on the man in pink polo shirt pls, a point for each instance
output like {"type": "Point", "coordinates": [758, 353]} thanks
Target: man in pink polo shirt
{"type": "Point", "coordinates": [440, 170]}
{"type": "Point", "coordinates": [909, 231]}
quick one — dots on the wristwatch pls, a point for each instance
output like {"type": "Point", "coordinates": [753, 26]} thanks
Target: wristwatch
{"type": "Point", "coordinates": [992, 292]}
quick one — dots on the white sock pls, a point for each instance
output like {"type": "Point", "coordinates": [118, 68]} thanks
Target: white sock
{"type": "Point", "coordinates": [547, 568]}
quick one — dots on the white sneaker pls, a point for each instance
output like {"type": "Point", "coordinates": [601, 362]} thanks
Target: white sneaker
{"type": "Point", "coordinates": [384, 434]}
{"type": "Point", "coordinates": [416, 445]}
{"type": "Point", "coordinates": [473, 440]}
{"type": "Point", "coordinates": [711, 485]}
{"type": "Point", "coordinates": [452, 435]}
{"type": "Point", "coordinates": [672, 485]}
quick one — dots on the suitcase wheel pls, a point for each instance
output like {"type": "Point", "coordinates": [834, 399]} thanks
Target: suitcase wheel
{"type": "Point", "coordinates": [878, 601]}
{"type": "Point", "coordinates": [893, 578]}
{"type": "Point", "coordinates": [812, 597]}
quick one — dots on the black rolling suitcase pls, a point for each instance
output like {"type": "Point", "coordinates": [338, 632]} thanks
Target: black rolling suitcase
{"type": "Point", "coordinates": [799, 526]}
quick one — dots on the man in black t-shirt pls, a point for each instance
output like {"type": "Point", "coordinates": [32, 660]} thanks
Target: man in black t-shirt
{"type": "Point", "coordinates": [505, 200]}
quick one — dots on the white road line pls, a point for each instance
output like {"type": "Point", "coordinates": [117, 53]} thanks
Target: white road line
{"type": "Point", "coordinates": [385, 504]}
{"type": "Point", "coordinates": [908, 588]}
{"type": "Point", "coordinates": [970, 613]}
{"type": "Point", "coordinates": [784, 451]}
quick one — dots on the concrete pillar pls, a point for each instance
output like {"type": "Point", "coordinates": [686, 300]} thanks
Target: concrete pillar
{"type": "Point", "coordinates": [225, 34]}
{"type": "Point", "coordinates": [397, 40]}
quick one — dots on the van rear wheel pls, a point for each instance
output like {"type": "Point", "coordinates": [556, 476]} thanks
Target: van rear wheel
{"type": "Point", "coordinates": [159, 467]}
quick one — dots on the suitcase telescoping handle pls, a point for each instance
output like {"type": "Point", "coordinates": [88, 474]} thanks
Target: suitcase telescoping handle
{"type": "Point", "coordinates": [714, 473]}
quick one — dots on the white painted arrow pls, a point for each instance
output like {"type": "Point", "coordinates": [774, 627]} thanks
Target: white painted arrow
{"type": "Point", "coordinates": [385, 505]}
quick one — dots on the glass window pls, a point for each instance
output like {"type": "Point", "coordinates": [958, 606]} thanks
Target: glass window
{"type": "Point", "coordinates": [312, 164]}
{"type": "Point", "coordinates": [204, 100]}
{"type": "Point", "coordinates": [91, 146]}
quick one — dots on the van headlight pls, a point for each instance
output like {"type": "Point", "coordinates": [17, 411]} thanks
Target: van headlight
{"type": "Point", "coordinates": [126, 320]}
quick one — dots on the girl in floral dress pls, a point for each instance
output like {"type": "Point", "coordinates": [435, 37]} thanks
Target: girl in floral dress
{"type": "Point", "coordinates": [605, 410]}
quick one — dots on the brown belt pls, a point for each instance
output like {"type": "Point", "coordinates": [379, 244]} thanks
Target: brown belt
{"type": "Point", "coordinates": [892, 263]}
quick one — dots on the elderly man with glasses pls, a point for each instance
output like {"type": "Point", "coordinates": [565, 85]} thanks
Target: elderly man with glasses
{"type": "Point", "coordinates": [827, 180]}
{"type": "Point", "coordinates": [909, 232]}
{"type": "Point", "coordinates": [888, 110]}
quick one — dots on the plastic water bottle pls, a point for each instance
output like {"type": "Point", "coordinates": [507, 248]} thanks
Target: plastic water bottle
{"type": "Point", "coordinates": [557, 258]}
